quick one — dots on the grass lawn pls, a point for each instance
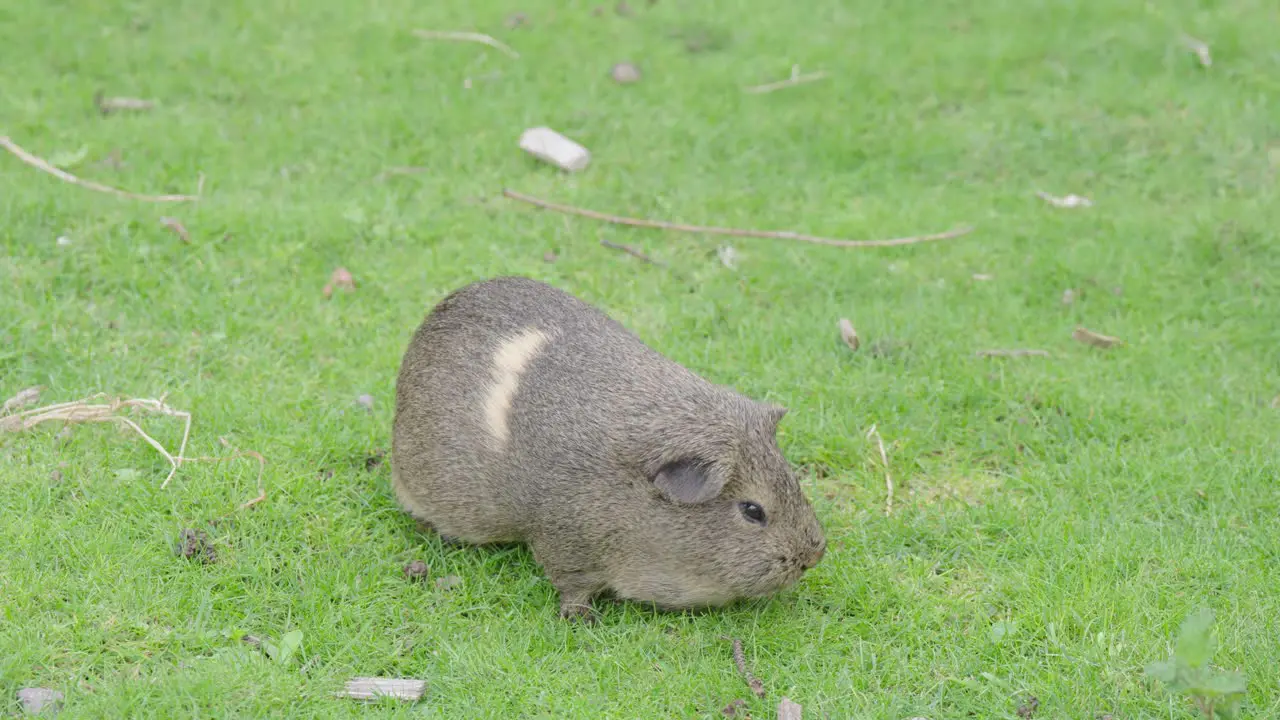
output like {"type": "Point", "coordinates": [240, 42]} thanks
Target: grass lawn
{"type": "Point", "coordinates": [1055, 518]}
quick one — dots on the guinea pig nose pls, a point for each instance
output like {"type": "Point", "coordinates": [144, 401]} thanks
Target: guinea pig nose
{"type": "Point", "coordinates": [816, 557]}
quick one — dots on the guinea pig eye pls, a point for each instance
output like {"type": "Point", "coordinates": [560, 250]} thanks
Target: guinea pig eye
{"type": "Point", "coordinates": [752, 511]}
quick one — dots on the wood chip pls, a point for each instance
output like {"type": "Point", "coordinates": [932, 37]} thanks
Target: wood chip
{"type": "Point", "coordinates": [551, 147]}
{"type": "Point", "coordinates": [108, 105]}
{"type": "Point", "coordinates": [788, 710]}
{"type": "Point", "coordinates": [372, 688]}
{"type": "Point", "coordinates": [1088, 337]}
{"type": "Point", "coordinates": [1066, 201]}
{"type": "Point", "coordinates": [35, 701]}
{"type": "Point", "coordinates": [848, 334]}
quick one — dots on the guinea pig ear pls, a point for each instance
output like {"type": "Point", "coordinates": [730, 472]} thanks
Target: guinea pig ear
{"type": "Point", "coordinates": [689, 483]}
{"type": "Point", "coordinates": [773, 415]}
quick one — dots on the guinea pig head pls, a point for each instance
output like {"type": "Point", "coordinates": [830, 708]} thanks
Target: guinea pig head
{"type": "Point", "coordinates": [738, 519]}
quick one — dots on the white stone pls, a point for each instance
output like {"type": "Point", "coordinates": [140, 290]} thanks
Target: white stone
{"type": "Point", "coordinates": [552, 147]}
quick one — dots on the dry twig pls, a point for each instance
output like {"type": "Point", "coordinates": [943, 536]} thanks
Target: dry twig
{"type": "Point", "coordinates": [740, 659]}
{"type": "Point", "coordinates": [795, 79]}
{"type": "Point", "coordinates": [461, 36]}
{"type": "Point", "coordinates": [1084, 335]}
{"type": "Point", "coordinates": [83, 410]}
{"type": "Point", "coordinates": [44, 165]}
{"type": "Point", "coordinates": [888, 478]}
{"type": "Point", "coordinates": [632, 252]}
{"type": "Point", "coordinates": [1018, 352]}
{"type": "Point", "coordinates": [774, 234]}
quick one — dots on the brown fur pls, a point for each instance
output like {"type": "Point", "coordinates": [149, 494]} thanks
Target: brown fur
{"type": "Point", "coordinates": [620, 468]}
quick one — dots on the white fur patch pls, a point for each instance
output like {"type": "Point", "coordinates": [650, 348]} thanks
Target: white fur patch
{"type": "Point", "coordinates": [509, 362]}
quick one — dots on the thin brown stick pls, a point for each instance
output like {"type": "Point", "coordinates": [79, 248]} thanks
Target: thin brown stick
{"type": "Point", "coordinates": [462, 36]}
{"type": "Point", "coordinates": [795, 79]}
{"type": "Point", "coordinates": [1018, 352]}
{"type": "Point", "coordinates": [888, 478]}
{"type": "Point", "coordinates": [632, 252]}
{"type": "Point", "coordinates": [740, 659]}
{"type": "Point", "coordinates": [44, 165]}
{"type": "Point", "coordinates": [774, 234]}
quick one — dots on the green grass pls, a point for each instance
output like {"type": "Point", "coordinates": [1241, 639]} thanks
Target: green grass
{"type": "Point", "coordinates": [1056, 518]}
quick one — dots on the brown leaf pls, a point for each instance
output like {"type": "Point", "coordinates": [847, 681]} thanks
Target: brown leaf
{"type": "Point", "coordinates": [788, 710]}
{"type": "Point", "coordinates": [340, 279]}
{"type": "Point", "coordinates": [174, 225]}
{"type": "Point", "coordinates": [194, 544]}
{"type": "Point", "coordinates": [24, 398]}
{"type": "Point", "coordinates": [416, 570]}
{"type": "Point", "coordinates": [731, 710]}
{"type": "Point", "coordinates": [1093, 339]}
{"type": "Point", "coordinates": [848, 334]}
{"type": "Point", "coordinates": [625, 73]}
{"type": "Point", "coordinates": [448, 582]}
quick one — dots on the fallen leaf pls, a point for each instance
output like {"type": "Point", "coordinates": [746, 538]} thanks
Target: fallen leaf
{"type": "Point", "coordinates": [36, 700]}
{"type": "Point", "coordinates": [731, 710]}
{"type": "Point", "coordinates": [176, 226]}
{"type": "Point", "coordinates": [1066, 201]}
{"type": "Point", "coordinates": [788, 710]}
{"type": "Point", "coordinates": [1028, 707]}
{"type": "Point", "coordinates": [194, 544]}
{"type": "Point", "coordinates": [416, 570]}
{"type": "Point", "coordinates": [1088, 337]}
{"type": "Point", "coordinates": [66, 160]}
{"type": "Point", "coordinates": [284, 652]}
{"type": "Point", "coordinates": [339, 279]}
{"type": "Point", "coordinates": [1200, 48]}
{"type": "Point", "coordinates": [448, 582]}
{"type": "Point", "coordinates": [625, 73]}
{"type": "Point", "coordinates": [1068, 296]}
{"type": "Point", "coordinates": [848, 334]}
{"type": "Point", "coordinates": [24, 398]}
{"type": "Point", "coordinates": [55, 476]}
{"type": "Point", "coordinates": [549, 257]}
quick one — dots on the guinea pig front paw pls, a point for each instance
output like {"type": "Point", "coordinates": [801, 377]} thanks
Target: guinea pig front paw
{"type": "Point", "coordinates": [577, 612]}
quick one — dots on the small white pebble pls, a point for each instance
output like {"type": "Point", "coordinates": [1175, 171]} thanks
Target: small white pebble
{"type": "Point", "coordinates": [728, 256]}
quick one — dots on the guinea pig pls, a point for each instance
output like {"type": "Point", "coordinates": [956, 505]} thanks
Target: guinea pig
{"type": "Point", "coordinates": [524, 414]}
